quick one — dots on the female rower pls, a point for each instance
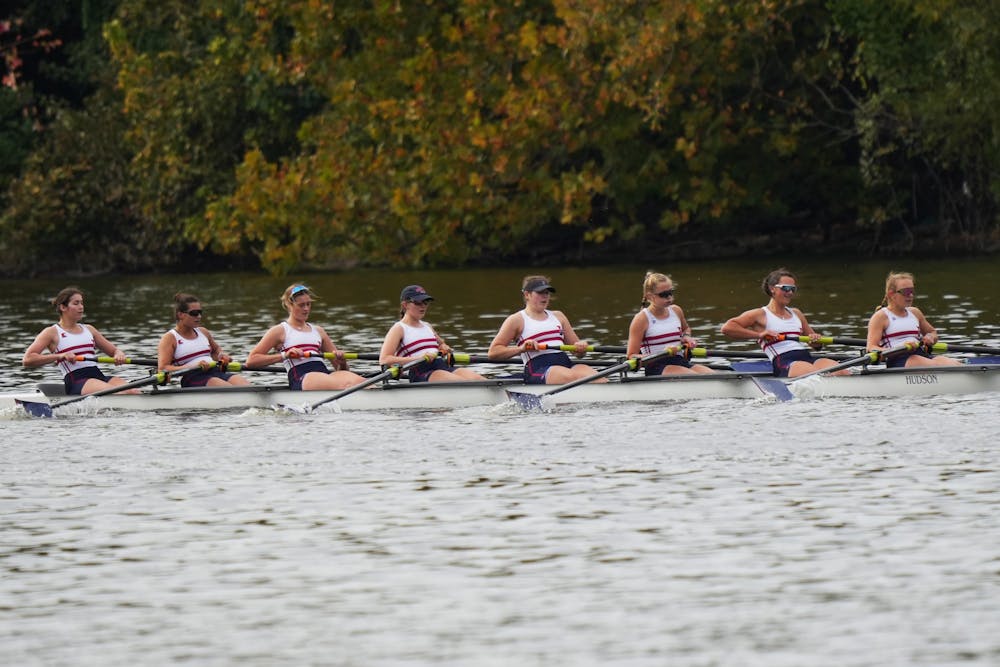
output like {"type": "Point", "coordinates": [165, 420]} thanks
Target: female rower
{"type": "Point", "coordinates": [770, 324]}
{"type": "Point", "coordinates": [301, 347]}
{"type": "Point", "coordinates": [897, 322]}
{"type": "Point", "coordinates": [659, 325]}
{"type": "Point", "coordinates": [535, 329]}
{"type": "Point", "coordinates": [190, 344]}
{"type": "Point", "coordinates": [411, 338]}
{"type": "Point", "coordinates": [66, 341]}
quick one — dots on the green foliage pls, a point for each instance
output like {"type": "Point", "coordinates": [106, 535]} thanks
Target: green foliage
{"type": "Point", "coordinates": [308, 133]}
{"type": "Point", "coordinates": [70, 212]}
{"type": "Point", "coordinates": [928, 123]}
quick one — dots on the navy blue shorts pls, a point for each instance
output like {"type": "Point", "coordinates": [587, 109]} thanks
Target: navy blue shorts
{"type": "Point", "coordinates": [899, 360]}
{"type": "Point", "coordinates": [656, 367]}
{"type": "Point", "coordinates": [201, 378]}
{"type": "Point", "coordinates": [74, 380]}
{"type": "Point", "coordinates": [298, 372]}
{"type": "Point", "coordinates": [534, 369]}
{"type": "Point", "coordinates": [422, 372]}
{"type": "Point", "coordinates": [781, 363]}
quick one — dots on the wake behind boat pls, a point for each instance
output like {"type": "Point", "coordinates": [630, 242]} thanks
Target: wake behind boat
{"type": "Point", "coordinates": [870, 382]}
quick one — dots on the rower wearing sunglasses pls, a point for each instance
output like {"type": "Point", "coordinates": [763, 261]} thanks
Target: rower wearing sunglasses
{"type": "Point", "coordinates": [660, 325]}
{"type": "Point", "coordinates": [190, 344]}
{"type": "Point", "coordinates": [770, 324]}
{"type": "Point", "coordinates": [301, 346]}
{"type": "Point", "coordinates": [897, 322]}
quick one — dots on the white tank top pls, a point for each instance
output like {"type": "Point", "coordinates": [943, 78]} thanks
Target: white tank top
{"type": "Point", "coordinates": [661, 333]}
{"type": "Point", "coordinates": [901, 329]}
{"type": "Point", "coordinates": [75, 343]}
{"type": "Point", "coordinates": [416, 340]}
{"type": "Point", "coordinates": [792, 326]}
{"type": "Point", "coordinates": [190, 351]}
{"type": "Point", "coordinates": [307, 341]}
{"type": "Point", "coordinates": [548, 331]}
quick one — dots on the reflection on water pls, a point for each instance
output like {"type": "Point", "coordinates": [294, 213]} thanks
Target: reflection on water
{"type": "Point", "coordinates": [847, 532]}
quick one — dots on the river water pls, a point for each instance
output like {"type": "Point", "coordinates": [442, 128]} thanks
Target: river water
{"type": "Point", "coordinates": [822, 532]}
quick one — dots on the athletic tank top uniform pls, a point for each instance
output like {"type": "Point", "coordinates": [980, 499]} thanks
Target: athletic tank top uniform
{"type": "Point", "coordinates": [417, 341]}
{"type": "Point", "coordinates": [900, 330]}
{"type": "Point", "coordinates": [662, 333]}
{"type": "Point", "coordinates": [76, 373]}
{"type": "Point", "coordinates": [785, 352]}
{"type": "Point", "coordinates": [190, 351]}
{"type": "Point", "coordinates": [537, 362]}
{"type": "Point", "coordinates": [306, 341]}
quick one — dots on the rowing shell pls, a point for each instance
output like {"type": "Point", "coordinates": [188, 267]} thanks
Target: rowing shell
{"type": "Point", "coordinates": [870, 383]}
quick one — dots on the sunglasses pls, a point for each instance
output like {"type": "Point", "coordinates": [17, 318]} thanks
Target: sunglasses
{"type": "Point", "coordinates": [788, 289]}
{"type": "Point", "coordinates": [298, 289]}
{"type": "Point", "coordinates": [195, 313]}
{"type": "Point", "coordinates": [906, 291]}
{"type": "Point", "coordinates": [665, 294]}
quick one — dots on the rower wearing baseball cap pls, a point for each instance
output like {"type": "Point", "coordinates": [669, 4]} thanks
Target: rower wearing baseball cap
{"type": "Point", "coordinates": [411, 338]}
{"type": "Point", "coordinates": [537, 333]}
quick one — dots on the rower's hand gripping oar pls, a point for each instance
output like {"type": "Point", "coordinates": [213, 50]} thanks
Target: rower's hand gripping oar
{"type": "Point", "coordinates": [779, 388]}
{"type": "Point", "coordinates": [36, 409]}
{"type": "Point", "coordinates": [530, 401]}
{"type": "Point", "coordinates": [393, 371]}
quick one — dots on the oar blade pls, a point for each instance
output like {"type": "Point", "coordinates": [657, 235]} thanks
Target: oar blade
{"type": "Point", "coordinates": [36, 409]}
{"type": "Point", "coordinates": [773, 387]}
{"type": "Point", "coordinates": [524, 400]}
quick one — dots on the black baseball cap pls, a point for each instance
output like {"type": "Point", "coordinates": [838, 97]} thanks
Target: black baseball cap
{"type": "Point", "coordinates": [539, 285]}
{"type": "Point", "coordinates": [415, 293]}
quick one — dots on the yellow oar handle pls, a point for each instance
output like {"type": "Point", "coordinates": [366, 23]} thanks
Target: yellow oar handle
{"type": "Point", "coordinates": [635, 363]}
{"type": "Point", "coordinates": [111, 360]}
{"type": "Point", "coordinates": [822, 340]}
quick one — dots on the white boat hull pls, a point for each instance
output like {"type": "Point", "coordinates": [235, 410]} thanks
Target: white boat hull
{"type": "Point", "coordinates": [872, 383]}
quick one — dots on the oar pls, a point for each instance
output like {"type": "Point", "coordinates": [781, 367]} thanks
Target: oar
{"type": "Point", "coordinates": [530, 401]}
{"type": "Point", "coordinates": [975, 349]}
{"type": "Point", "coordinates": [937, 348]}
{"type": "Point", "coordinates": [393, 371]}
{"type": "Point", "coordinates": [613, 349]}
{"type": "Point", "coordinates": [232, 366]}
{"type": "Point", "coordinates": [454, 357]}
{"type": "Point", "coordinates": [699, 352]}
{"type": "Point", "coordinates": [779, 388]}
{"type": "Point", "coordinates": [825, 340]}
{"type": "Point", "coordinates": [36, 409]}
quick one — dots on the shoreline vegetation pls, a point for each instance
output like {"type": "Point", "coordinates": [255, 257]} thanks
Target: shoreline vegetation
{"type": "Point", "coordinates": [137, 137]}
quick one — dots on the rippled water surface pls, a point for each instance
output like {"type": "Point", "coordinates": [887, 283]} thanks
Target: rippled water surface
{"type": "Point", "coordinates": [822, 532]}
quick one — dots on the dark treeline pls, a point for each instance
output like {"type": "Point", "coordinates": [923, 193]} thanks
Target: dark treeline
{"type": "Point", "coordinates": [286, 134]}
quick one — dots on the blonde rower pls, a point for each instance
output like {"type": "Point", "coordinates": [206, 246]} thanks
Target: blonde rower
{"type": "Point", "coordinates": [659, 325]}
{"type": "Point", "coordinates": [897, 322]}
{"type": "Point", "coordinates": [301, 345]}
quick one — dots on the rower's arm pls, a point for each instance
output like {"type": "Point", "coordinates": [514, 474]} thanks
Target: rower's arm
{"type": "Point", "coordinates": [501, 348]}
{"type": "Point", "coordinates": [744, 327]}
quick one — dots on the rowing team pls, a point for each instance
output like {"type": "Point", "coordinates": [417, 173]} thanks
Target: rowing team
{"type": "Point", "coordinates": [658, 334]}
